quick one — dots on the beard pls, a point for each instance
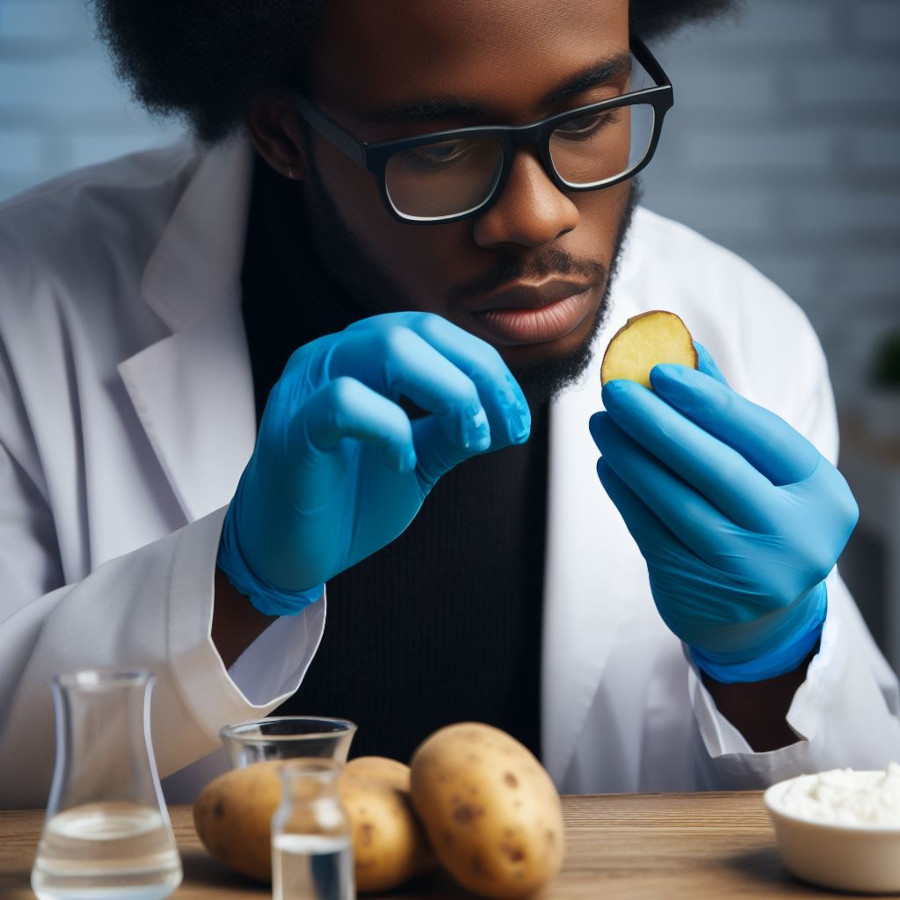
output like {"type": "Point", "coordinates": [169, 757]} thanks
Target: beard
{"type": "Point", "coordinates": [368, 288]}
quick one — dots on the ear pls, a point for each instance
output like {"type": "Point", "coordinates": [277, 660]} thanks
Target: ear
{"type": "Point", "coordinates": [275, 130]}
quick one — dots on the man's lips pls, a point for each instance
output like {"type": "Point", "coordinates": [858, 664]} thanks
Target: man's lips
{"type": "Point", "coordinates": [533, 314]}
{"type": "Point", "coordinates": [524, 295]}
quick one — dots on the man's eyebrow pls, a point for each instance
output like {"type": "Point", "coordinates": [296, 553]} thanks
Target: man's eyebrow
{"type": "Point", "coordinates": [591, 77]}
{"type": "Point", "coordinates": [432, 110]}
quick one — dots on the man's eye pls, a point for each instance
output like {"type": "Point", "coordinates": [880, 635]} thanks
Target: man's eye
{"type": "Point", "coordinates": [586, 126]}
{"type": "Point", "coordinates": [433, 157]}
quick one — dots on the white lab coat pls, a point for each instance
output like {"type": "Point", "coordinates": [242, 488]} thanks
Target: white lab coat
{"type": "Point", "coordinates": [127, 415]}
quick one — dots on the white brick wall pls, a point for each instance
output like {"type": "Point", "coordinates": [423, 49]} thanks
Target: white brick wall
{"type": "Point", "coordinates": [784, 143]}
{"type": "Point", "coordinates": [60, 105]}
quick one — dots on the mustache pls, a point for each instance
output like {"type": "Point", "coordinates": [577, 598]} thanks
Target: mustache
{"type": "Point", "coordinates": [551, 261]}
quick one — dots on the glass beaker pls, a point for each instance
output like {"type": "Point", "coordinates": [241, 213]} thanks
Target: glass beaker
{"type": "Point", "coordinates": [287, 737]}
{"type": "Point", "coordinates": [312, 839]}
{"type": "Point", "coordinates": [107, 832]}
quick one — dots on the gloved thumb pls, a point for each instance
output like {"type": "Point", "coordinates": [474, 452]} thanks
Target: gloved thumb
{"type": "Point", "coordinates": [707, 365]}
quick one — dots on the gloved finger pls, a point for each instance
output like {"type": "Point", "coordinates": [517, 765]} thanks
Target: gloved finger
{"type": "Point", "coordinates": [346, 408]}
{"type": "Point", "coordinates": [504, 402]}
{"type": "Point", "coordinates": [395, 361]}
{"type": "Point", "coordinates": [688, 515]}
{"type": "Point", "coordinates": [436, 454]}
{"type": "Point", "coordinates": [706, 364]}
{"type": "Point", "coordinates": [646, 528]}
{"type": "Point", "coordinates": [716, 470]}
{"type": "Point", "coordinates": [764, 439]}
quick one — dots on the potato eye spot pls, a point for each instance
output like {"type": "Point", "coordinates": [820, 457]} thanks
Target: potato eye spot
{"type": "Point", "coordinates": [511, 780]}
{"type": "Point", "coordinates": [513, 852]}
{"type": "Point", "coordinates": [467, 813]}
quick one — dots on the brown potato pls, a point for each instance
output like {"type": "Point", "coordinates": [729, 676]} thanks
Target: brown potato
{"type": "Point", "coordinates": [389, 843]}
{"type": "Point", "coordinates": [645, 340]}
{"type": "Point", "coordinates": [380, 768]}
{"type": "Point", "coordinates": [491, 811]}
{"type": "Point", "coordinates": [233, 817]}
{"type": "Point", "coordinates": [233, 813]}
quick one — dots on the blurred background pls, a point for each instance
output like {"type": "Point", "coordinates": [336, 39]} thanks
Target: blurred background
{"type": "Point", "coordinates": [784, 145]}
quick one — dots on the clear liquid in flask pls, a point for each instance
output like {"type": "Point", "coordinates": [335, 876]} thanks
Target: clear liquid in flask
{"type": "Point", "coordinates": [106, 851]}
{"type": "Point", "coordinates": [312, 867]}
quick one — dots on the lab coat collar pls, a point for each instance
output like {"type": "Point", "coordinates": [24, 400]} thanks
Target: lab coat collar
{"type": "Point", "coordinates": [193, 390]}
{"type": "Point", "coordinates": [196, 265]}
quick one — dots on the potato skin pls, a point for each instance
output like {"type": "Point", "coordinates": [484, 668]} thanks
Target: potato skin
{"type": "Point", "coordinates": [389, 843]}
{"type": "Point", "coordinates": [380, 768]}
{"type": "Point", "coordinates": [233, 817]}
{"type": "Point", "coordinates": [492, 813]}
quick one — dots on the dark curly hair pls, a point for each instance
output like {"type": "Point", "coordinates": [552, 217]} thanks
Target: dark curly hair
{"type": "Point", "coordinates": [203, 60]}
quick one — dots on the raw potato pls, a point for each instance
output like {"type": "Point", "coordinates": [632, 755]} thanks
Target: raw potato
{"type": "Point", "coordinates": [389, 844]}
{"type": "Point", "coordinates": [233, 816]}
{"type": "Point", "coordinates": [491, 811]}
{"type": "Point", "coordinates": [381, 768]}
{"type": "Point", "coordinates": [645, 340]}
{"type": "Point", "coordinates": [233, 813]}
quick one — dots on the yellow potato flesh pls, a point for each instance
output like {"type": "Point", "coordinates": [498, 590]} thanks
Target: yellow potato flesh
{"type": "Point", "coordinates": [645, 341]}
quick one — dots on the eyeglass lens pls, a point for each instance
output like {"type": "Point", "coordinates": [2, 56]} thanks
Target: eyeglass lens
{"type": "Point", "coordinates": [454, 177]}
{"type": "Point", "coordinates": [443, 179]}
{"type": "Point", "coordinates": [601, 146]}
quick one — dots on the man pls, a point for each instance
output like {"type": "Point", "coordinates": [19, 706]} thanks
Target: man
{"type": "Point", "coordinates": [355, 344]}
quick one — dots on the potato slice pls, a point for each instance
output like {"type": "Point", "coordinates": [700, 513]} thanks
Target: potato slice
{"type": "Point", "coordinates": [652, 337]}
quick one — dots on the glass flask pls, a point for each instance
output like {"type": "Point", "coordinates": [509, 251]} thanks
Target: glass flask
{"type": "Point", "coordinates": [287, 737]}
{"type": "Point", "coordinates": [107, 834]}
{"type": "Point", "coordinates": [312, 839]}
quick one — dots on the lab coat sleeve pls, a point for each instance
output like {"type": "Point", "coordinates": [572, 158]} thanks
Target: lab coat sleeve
{"type": "Point", "coordinates": [150, 608]}
{"type": "Point", "coordinates": [846, 711]}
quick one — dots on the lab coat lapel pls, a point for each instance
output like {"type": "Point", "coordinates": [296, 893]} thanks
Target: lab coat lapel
{"type": "Point", "coordinates": [590, 559]}
{"type": "Point", "coordinates": [193, 390]}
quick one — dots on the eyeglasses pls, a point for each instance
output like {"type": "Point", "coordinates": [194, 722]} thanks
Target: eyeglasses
{"type": "Point", "coordinates": [451, 175]}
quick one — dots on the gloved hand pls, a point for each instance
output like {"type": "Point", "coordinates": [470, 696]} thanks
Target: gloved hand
{"type": "Point", "coordinates": [737, 515]}
{"type": "Point", "coordinates": [339, 470]}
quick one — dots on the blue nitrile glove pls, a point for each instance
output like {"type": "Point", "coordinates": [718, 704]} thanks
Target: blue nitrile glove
{"type": "Point", "coordinates": [738, 516]}
{"type": "Point", "coordinates": [339, 470]}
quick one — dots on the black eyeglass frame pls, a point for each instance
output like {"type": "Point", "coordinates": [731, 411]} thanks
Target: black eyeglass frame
{"type": "Point", "coordinates": [511, 138]}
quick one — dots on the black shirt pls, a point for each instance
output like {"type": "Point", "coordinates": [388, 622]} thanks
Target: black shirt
{"type": "Point", "coordinates": [444, 624]}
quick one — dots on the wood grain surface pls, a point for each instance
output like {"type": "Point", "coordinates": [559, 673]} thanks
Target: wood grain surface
{"type": "Point", "coordinates": [647, 846]}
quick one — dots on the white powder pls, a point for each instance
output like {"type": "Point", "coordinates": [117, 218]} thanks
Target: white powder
{"type": "Point", "coordinates": [846, 797]}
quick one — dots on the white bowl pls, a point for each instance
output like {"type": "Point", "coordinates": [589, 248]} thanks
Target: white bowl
{"type": "Point", "coordinates": [861, 858]}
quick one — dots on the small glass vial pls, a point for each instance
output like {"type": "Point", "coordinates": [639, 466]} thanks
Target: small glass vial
{"type": "Point", "coordinates": [107, 831]}
{"type": "Point", "coordinates": [312, 840]}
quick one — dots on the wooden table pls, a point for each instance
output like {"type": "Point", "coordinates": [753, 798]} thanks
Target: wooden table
{"type": "Point", "coordinates": [648, 846]}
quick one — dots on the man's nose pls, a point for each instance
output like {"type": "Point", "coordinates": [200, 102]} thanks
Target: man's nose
{"type": "Point", "coordinates": [530, 211]}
